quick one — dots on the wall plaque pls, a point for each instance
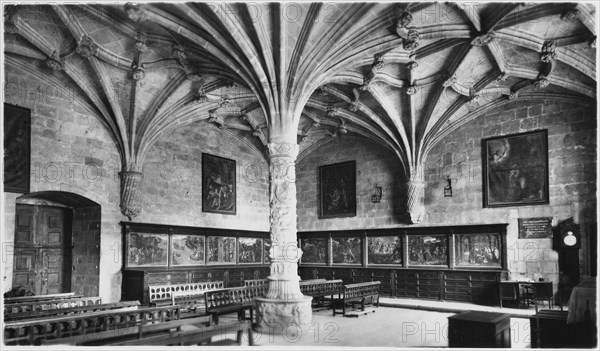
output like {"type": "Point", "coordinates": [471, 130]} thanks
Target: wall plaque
{"type": "Point", "coordinates": [535, 228]}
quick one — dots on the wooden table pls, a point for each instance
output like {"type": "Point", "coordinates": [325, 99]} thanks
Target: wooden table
{"type": "Point", "coordinates": [516, 286]}
{"type": "Point", "coordinates": [479, 329]}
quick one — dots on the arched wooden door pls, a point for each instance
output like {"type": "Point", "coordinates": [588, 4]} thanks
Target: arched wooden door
{"type": "Point", "coordinates": [43, 248]}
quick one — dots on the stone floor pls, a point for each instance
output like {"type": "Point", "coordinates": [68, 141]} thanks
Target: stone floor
{"type": "Point", "coordinates": [419, 326]}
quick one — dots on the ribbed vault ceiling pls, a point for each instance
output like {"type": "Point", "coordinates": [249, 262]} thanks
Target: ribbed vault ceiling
{"type": "Point", "coordinates": [404, 75]}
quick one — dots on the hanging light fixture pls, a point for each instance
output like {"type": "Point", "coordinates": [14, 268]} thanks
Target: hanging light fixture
{"type": "Point", "coordinates": [376, 197]}
{"type": "Point", "coordinates": [448, 188]}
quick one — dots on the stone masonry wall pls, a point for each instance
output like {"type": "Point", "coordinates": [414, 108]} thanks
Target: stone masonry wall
{"type": "Point", "coordinates": [374, 164]}
{"type": "Point", "coordinates": [572, 171]}
{"type": "Point", "coordinates": [71, 151]}
{"type": "Point", "coordinates": [172, 186]}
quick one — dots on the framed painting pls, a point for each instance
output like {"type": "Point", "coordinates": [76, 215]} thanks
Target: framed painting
{"type": "Point", "coordinates": [337, 190]}
{"type": "Point", "coordinates": [187, 250]}
{"type": "Point", "coordinates": [220, 250]}
{"type": "Point", "coordinates": [218, 185]}
{"type": "Point", "coordinates": [384, 250]}
{"type": "Point", "coordinates": [17, 148]}
{"type": "Point", "coordinates": [515, 170]}
{"type": "Point", "coordinates": [477, 250]}
{"type": "Point", "coordinates": [250, 250]}
{"type": "Point", "coordinates": [314, 250]}
{"type": "Point", "coordinates": [147, 250]}
{"type": "Point", "coordinates": [346, 250]}
{"type": "Point", "coordinates": [267, 247]}
{"type": "Point", "coordinates": [428, 250]}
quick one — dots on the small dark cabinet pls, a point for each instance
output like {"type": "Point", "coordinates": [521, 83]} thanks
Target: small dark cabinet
{"type": "Point", "coordinates": [549, 329]}
{"type": "Point", "coordinates": [479, 329]}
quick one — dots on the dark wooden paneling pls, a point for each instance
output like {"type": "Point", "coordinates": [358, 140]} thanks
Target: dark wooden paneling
{"type": "Point", "coordinates": [136, 282]}
{"type": "Point", "coordinates": [466, 286]}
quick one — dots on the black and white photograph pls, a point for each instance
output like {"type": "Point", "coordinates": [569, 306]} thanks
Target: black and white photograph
{"type": "Point", "coordinates": [302, 175]}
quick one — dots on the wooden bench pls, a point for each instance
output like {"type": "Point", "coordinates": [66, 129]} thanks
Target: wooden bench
{"type": "Point", "coordinates": [219, 302]}
{"type": "Point", "coordinates": [313, 281]}
{"type": "Point", "coordinates": [196, 336]}
{"type": "Point", "coordinates": [320, 289]}
{"type": "Point", "coordinates": [160, 295]}
{"type": "Point", "coordinates": [34, 331]}
{"type": "Point", "coordinates": [69, 295]}
{"type": "Point", "coordinates": [362, 294]}
{"type": "Point", "coordinates": [133, 334]}
{"type": "Point", "coordinates": [72, 310]}
{"type": "Point", "coordinates": [20, 307]}
{"type": "Point", "coordinates": [255, 282]}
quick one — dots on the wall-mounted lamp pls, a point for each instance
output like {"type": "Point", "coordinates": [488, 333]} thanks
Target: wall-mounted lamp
{"type": "Point", "coordinates": [376, 197]}
{"type": "Point", "coordinates": [448, 188]}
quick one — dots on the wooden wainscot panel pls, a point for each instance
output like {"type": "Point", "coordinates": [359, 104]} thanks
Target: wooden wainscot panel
{"type": "Point", "coordinates": [457, 263]}
{"type": "Point", "coordinates": [193, 254]}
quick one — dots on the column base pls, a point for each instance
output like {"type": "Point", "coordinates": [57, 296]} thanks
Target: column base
{"type": "Point", "coordinates": [274, 315]}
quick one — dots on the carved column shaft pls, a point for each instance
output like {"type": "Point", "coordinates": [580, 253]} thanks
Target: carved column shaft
{"type": "Point", "coordinates": [415, 198]}
{"type": "Point", "coordinates": [284, 305]}
{"type": "Point", "coordinates": [284, 253]}
{"type": "Point", "coordinates": [131, 179]}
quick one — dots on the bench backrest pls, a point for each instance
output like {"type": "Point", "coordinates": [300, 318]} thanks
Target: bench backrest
{"type": "Point", "coordinates": [40, 297]}
{"type": "Point", "coordinates": [33, 331]}
{"type": "Point", "coordinates": [308, 281]}
{"type": "Point", "coordinates": [255, 282]}
{"type": "Point", "coordinates": [72, 310]}
{"type": "Point", "coordinates": [50, 304]}
{"type": "Point", "coordinates": [195, 336]}
{"type": "Point", "coordinates": [132, 334]}
{"type": "Point", "coordinates": [321, 288]}
{"type": "Point", "coordinates": [361, 289]}
{"type": "Point", "coordinates": [166, 292]}
{"type": "Point", "coordinates": [233, 296]}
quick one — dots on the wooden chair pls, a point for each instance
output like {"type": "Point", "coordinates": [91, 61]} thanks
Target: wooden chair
{"type": "Point", "coordinates": [527, 291]}
{"type": "Point", "coordinates": [509, 291]}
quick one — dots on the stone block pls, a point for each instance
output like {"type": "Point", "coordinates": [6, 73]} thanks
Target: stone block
{"type": "Point", "coordinates": [551, 107]}
{"type": "Point", "coordinates": [529, 124]}
{"type": "Point", "coordinates": [521, 113]}
{"type": "Point", "coordinates": [535, 110]}
{"type": "Point", "coordinates": [532, 268]}
{"type": "Point", "coordinates": [549, 267]}
{"type": "Point", "coordinates": [48, 133]}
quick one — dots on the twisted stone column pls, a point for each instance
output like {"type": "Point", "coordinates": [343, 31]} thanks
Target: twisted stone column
{"type": "Point", "coordinates": [284, 305]}
{"type": "Point", "coordinates": [131, 179]}
{"type": "Point", "coordinates": [415, 200]}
